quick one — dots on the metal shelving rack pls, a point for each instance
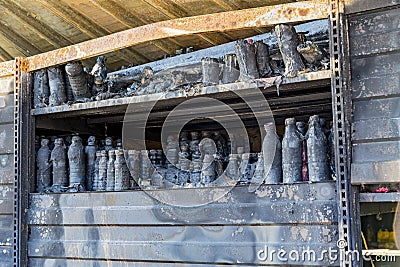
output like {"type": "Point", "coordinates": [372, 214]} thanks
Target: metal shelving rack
{"type": "Point", "coordinates": [26, 118]}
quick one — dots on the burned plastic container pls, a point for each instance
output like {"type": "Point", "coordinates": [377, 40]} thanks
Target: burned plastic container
{"type": "Point", "coordinates": [230, 69]}
{"type": "Point", "coordinates": [272, 150]}
{"type": "Point", "coordinates": [232, 170]}
{"type": "Point", "coordinates": [96, 171]}
{"type": "Point", "coordinates": [262, 56]}
{"type": "Point", "coordinates": [41, 89]}
{"type": "Point", "coordinates": [301, 127]}
{"type": "Point", "coordinates": [246, 56]}
{"type": "Point", "coordinates": [111, 171]}
{"type": "Point", "coordinates": [258, 177]}
{"type": "Point", "coordinates": [317, 151]}
{"type": "Point", "coordinates": [90, 152]}
{"type": "Point", "coordinates": [211, 71]}
{"type": "Point", "coordinates": [58, 159]}
{"type": "Point", "coordinates": [134, 166]}
{"type": "Point", "coordinates": [43, 166]}
{"type": "Point", "coordinates": [121, 171]}
{"type": "Point", "coordinates": [288, 42]}
{"type": "Point", "coordinates": [78, 79]}
{"type": "Point", "coordinates": [103, 171]}
{"type": "Point", "coordinates": [76, 157]}
{"type": "Point", "coordinates": [57, 86]}
{"type": "Point", "coordinates": [291, 153]}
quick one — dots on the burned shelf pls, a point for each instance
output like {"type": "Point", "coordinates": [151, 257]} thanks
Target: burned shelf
{"type": "Point", "coordinates": [380, 197]}
{"type": "Point", "coordinates": [303, 84]}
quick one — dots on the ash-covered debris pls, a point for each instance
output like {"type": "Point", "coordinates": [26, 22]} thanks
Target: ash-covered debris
{"type": "Point", "coordinates": [287, 51]}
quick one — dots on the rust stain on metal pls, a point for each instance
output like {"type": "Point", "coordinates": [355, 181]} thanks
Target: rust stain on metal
{"type": "Point", "coordinates": [219, 22]}
{"type": "Point", "coordinates": [7, 68]}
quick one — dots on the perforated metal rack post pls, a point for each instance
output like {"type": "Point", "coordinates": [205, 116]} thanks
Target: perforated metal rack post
{"type": "Point", "coordinates": [341, 104]}
{"type": "Point", "coordinates": [22, 158]}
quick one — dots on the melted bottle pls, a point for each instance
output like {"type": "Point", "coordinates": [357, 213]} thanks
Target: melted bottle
{"type": "Point", "coordinates": [291, 153]}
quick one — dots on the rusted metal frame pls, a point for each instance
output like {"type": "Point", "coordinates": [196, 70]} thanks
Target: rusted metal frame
{"type": "Point", "coordinates": [131, 20]}
{"type": "Point", "coordinates": [219, 22]}
{"type": "Point", "coordinates": [23, 158]}
{"type": "Point", "coordinates": [341, 104]}
{"type": "Point", "coordinates": [89, 27]}
{"type": "Point", "coordinates": [7, 68]}
{"type": "Point", "coordinates": [46, 32]}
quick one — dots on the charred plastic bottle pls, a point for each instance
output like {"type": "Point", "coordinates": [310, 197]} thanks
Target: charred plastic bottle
{"type": "Point", "coordinates": [57, 86]}
{"type": "Point", "coordinates": [262, 56]}
{"type": "Point", "coordinates": [134, 166]}
{"type": "Point", "coordinates": [96, 171]}
{"type": "Point", "coordinates": [41, 89]}
{"type": "Point", "coordinates": [272, 150]}
{"type": "Point", "coordinates": [230, 69]}
{"type": "Point", "coordinates": [102, 171]}
{"type": "Point", "coordinates": [59, 161]}
{"type": "Point", "coordinates": [111, 171]}
{"type": "Point", "coordinates": [258, 177]}
{"type": "Point", "coordinates": [78, 79]}
{"type": "Point", "coordinates": [232, 170]}
{"type": "Point", "coordinates": [301, 127]}
{"type": "Point", "coordinates": [211, 71]}
{"type": "Point", "coordinates": [43, 166]}
{"type": "Point", "coordinates": [288, 41]}
{"type": "Point", "coordinates": [317, 151]}
{"type": "Point", "coordinates": [291, 153]}
{"type": "Point", "coordinates": [90, 151]}
{"type": "Point", "coordinates": [76, 157]}
{"type": "Point", "coordinates": [121, 171]}
{"type": "Point", "coordinates": [246, 57]}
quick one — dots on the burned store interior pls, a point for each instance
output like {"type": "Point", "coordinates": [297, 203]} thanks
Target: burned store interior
{"type": "Point", "coordinates": [177, 133]}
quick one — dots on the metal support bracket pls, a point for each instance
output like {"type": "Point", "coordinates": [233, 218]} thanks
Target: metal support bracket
{"type": "Point", "coordinates": [350, 251]}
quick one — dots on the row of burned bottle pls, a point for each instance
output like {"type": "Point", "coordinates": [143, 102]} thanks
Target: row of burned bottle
{"type": "Point", "coordinates": [302, 155]}
{"type": "Point", "coordinates": [69, 83]}
{"type": "Point", "coordinates": [73, 168]}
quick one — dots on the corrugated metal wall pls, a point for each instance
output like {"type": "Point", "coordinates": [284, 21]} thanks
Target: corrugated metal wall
{"type": "Point", "coordinates": [6, 170]}
{"type": "Point", "coordinates": [132, 229]}
{"type": "Point", "coordinates": [375, 65]}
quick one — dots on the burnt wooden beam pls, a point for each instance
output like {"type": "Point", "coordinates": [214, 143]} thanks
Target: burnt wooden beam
{"type": "Point", "coordinates": [46, 32]}
{"type": "Point", "coordinates": [87, 26]}
{"type": "Point", "coordinates": [132, 20]}
{"type": "Point", "coordinates": [21, 43]}
{"type": "Point", "coordinates": [218, 22]}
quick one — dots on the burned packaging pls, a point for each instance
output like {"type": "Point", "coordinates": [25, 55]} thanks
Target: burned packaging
{"type": "Point", "coordinates": [41, 89]}
{"type": "Point", "coordinates": [291, 153]}
{"type": "Point", "coordinates": [317, 151]}
{"type": "Point", "coordinates": [78, 79]}
{"type": "Point", "coordinates": [313, 54]}
{"type": "Point", "coordinates": [58, 159]}
{"type": "Point", "coordinates": [246, 57]}
{"type": "Point", "coordinates": [76, 157]}
{"type": "Point", "coordinates": [288, 42]}
{"type": "Point", "coordinates": [43, 166]}
{"type": "Point", "coordinates": [57, 86]}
